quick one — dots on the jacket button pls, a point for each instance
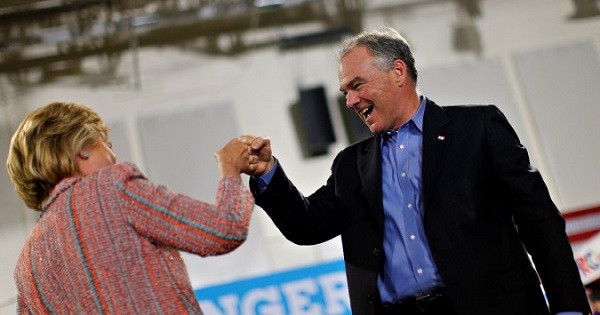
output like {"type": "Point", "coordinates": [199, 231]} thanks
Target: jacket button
{"type": "Point", "coordinates": [376, 251]}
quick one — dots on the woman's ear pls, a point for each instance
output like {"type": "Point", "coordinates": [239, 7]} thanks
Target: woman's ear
{"type": "Point", "coordinates": [84, 155]}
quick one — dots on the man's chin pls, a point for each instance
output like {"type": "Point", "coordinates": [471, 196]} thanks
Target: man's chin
{"type": "Point", "coordinates": [374, 130]}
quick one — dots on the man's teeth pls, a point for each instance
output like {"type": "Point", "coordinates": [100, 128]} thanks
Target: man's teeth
{"type": "Point", "coordinates": [366, 111]}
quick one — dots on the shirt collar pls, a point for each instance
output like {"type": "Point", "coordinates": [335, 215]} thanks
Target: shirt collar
{"type": "Point", "coordinates": [418, 116]}
{"type": "Point", "coordinates": [417, 120]}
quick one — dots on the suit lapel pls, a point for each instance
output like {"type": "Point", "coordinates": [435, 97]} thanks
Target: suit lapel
{"type": "Point", "coordinates": [435, 142]}
{"type": "Point", "coordinates": [369, 167]}
{"type": "Point", "coordinates": [434, 146]}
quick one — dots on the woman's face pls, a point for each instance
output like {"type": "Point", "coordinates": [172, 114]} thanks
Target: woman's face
{"type": "Point", "coordinates": [98, 156]}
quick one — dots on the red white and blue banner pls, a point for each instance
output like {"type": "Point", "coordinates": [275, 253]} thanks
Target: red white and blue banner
{"type": "Point", "coordinates": [587, 256]}
{"type": "Point", "coordinates": [582, 224]}
{"type": "Point", "coordinates": [583, 229]}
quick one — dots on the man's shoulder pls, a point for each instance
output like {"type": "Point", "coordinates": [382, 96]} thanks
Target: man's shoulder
{"type": "Point", "coordinates": [468, 107]}
{"type": "Point", "coordinates": [469, 111]}
{"type": "Point", "coordinates": [362, 145]}
{"type": "Point", "coordinates": [355, 152]}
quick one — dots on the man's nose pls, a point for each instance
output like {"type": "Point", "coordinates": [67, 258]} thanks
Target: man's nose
{"type": "Point", "coordinates": [351, 99]}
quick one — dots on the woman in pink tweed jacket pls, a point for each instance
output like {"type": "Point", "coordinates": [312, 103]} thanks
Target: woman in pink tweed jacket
{"type": "Point", "coordinates": [108, 239]}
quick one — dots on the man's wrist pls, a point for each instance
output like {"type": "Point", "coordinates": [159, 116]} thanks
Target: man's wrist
{"type": "Point", "coordinates": [270, 165]}
{"type": "Point", "coordinates": [264, 179]}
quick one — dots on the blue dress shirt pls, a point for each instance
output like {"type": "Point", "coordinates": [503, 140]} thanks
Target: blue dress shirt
{"type": "Point", "coordinates": [409, 269]}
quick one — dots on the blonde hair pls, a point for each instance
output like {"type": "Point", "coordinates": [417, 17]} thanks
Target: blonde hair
{"type": "Point", "coordinates": [44, 147]}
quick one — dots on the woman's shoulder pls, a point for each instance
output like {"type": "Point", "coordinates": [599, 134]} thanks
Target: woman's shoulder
{"type": "Point", "coordinates": [127, 167]}
{"type": "Point", "coordinates": [123, 170]}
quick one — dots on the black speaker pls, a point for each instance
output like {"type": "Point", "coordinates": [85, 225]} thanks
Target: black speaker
{"type": "Point", "coordinates": [312, 121]}
{"type": "Point", "coordinates": [356, 129]}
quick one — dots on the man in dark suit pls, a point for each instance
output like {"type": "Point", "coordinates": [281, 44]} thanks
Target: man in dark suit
{"type": "Point", "coordinates": [438, 212]}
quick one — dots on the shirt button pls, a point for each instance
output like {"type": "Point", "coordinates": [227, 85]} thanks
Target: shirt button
{"type": "Point", "coordinates": [403, 174]}
{"type": "Point", "coordinates": [412, 237]}
{"type": "Point", "coordinates": [402, 146]}
{"type": "Point", "coordinates": [419, 271]}
{"type": "Point", "coordinates": [409, 205]}
{"type": "Point", "coordinates": [376, 251]}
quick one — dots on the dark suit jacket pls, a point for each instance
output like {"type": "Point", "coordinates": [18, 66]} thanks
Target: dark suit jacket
{"type": "Point", "coordinates": [485, 209]}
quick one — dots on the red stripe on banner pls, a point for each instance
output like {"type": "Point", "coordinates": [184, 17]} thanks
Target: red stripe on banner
{"type": "Point", "coordinates": [576, 238]}
{"type": "Point", "coordinates": [582, 223]}
{"type": "Point", "coordinates": [580, 212]}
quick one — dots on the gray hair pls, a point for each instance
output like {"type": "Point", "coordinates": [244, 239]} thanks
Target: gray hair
{"type": "Point", "coordinates": [387, 45]}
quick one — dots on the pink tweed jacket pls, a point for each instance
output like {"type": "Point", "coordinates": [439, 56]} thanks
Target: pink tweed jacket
{"type": "Point", "coordinates": [108, 243]}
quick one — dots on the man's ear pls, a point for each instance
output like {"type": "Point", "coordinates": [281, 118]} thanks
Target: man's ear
{"type": "Point", "coordinates": [400, 71]}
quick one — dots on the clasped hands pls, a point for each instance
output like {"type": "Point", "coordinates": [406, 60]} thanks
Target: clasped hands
{"type": "Point", "coordinates": [247, 154]}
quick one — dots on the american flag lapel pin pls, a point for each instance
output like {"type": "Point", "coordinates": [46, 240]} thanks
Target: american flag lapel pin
{"type": "Point", "coordinates": [441, 138]}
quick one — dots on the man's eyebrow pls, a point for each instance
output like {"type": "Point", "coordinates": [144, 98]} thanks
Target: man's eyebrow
{"type": "Point", "coordinates": [352, 83]}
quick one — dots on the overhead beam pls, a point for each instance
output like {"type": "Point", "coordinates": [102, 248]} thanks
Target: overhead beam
{"type": "Point", "coordinates": [175, 30]}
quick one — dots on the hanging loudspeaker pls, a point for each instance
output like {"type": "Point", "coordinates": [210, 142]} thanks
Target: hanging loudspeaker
{"type": "Point", "coordinates": [356, 129]}
{"type": "Point", "coordinates": [313, 122]}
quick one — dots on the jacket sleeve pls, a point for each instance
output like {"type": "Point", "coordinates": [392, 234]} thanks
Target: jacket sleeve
{"type": "Point", "coordinates": [302, 220]}
{"type": "Point", "coordinates": [182, 222]}
{"type": "Point", "coordinates": [540, 225]}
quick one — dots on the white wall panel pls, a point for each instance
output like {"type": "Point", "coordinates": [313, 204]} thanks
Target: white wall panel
{"type": "Point", "coordinates": [562, 87]}
{"type": "Point", "coordinates": [483, 81]}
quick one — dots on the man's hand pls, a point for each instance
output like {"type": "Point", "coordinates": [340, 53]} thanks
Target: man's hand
{"type": "Point", "coordinates": [260, 152]}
